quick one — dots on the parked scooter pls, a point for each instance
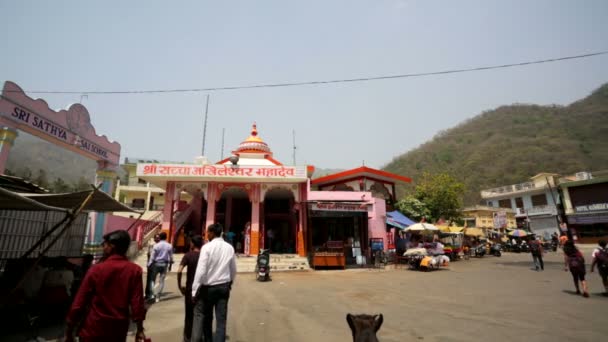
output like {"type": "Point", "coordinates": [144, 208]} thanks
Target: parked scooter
{"type": "Point", "coordinates": [525, 248]}
{"type": "Point", "coordinates": [496, 250]}
{"type": "Point", "coordinates": [480, 251]}
{"type": "Point", "coordinates": [262, 266]}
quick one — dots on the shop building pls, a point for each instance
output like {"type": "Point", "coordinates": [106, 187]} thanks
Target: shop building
{"type": "Point", "coordinates": [534, 202]}
{"type": "Point", "coordinates": [486, 217]}
{"type": "Point", "coordinates": [351, 206]}
{"type": "Point", "coordinates": [586, 205]}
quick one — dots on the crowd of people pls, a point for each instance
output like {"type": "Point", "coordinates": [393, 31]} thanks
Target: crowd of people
{"type": "Point", "coordinates": [112, 292]}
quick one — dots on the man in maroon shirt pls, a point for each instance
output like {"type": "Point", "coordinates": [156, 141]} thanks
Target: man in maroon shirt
{"type": "Point", "coordinates": [110, 295]}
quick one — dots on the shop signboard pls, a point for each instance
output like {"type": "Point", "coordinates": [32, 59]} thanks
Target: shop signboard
{"type": "Point", "coordinates": [338, 206]}
{"type": "Point", "coordinates": [70, 128]}
{"type": "Point", "coordinates": [591, 207]}
{"type": "Point", "coordinates": [500, 219]}
{"type": "Point", "coordinates": [221, 171]}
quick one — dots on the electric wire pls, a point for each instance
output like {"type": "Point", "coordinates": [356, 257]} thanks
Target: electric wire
{"type": "Point", "coordinates": [322, 82]}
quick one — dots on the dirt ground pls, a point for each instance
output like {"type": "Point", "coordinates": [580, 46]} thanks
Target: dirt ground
{"type": "Point", "coordinates": [500, 299]}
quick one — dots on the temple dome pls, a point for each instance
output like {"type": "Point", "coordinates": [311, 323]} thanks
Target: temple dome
{"type": "Point", "coordinates": [253, 144]}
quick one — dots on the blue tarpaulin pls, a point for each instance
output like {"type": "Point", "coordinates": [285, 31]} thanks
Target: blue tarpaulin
{"type": "Point", "coordinates": [397, 219]}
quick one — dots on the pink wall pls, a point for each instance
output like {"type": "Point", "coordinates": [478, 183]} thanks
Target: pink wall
{"type": "Point", "coordinates": [376, 213]}
{"type": "Point", "coordinates": [377, 221]}
{"type": "Point", "coordinates": [119, 222]}
{"type": "Point", "coordinates": [340, 196]}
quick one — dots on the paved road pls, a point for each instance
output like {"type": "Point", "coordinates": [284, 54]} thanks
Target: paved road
{"type": "Point", "coordinates": [489, 299]}
{"type": "Point", "coordinates": [485, 299]}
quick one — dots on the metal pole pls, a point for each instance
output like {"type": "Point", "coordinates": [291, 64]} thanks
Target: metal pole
{"type": "Point", "coordinates": [205, 126]}
{"type": "Point", "coordinates": [222, 152]}
{"type": "Point", "coordinates": [560, 217]}
{"type": "Point", "coordinates": [294, 147]}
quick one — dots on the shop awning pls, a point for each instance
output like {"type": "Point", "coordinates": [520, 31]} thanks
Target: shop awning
{"type": "Point", "coordinates": [100, 202]}
{"type": "Point", "coordinates": [393, 223]}
{"type": "Point", "coordinates": [452, 229]}
{"type": "Point", "coordinates": [474, 232]}
{"type": "Point", "coordinates": [15, 201]}
{"type": "Point", "coordinates": [398, 218]}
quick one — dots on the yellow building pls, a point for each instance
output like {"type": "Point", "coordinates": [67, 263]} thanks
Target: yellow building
{"type": "Point", "coordinates": [482, 216]}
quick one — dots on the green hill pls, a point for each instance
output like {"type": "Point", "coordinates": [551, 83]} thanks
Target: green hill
{"type": "Point", "coordinates": [60, 167]}
{"type": "Point", "coordinates": [510, 144]}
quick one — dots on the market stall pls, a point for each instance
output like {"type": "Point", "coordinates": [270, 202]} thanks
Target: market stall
{"type": "Point", "coordinates": [332, 254]}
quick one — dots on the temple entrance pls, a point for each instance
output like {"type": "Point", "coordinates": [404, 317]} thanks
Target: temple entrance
{"type": "Point", "coordinates": [279, 226]}
{"type": "Point", "coordinates": [233, 211]}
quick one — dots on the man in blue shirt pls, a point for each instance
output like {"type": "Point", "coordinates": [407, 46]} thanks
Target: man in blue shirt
{"type": "Point", "coordinates": [160, 259]}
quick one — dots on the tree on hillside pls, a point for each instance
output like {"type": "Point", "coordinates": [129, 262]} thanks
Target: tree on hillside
{"type": "Point", "coordinates": [442, 195]}
{"type": "Point", "coordinates": [25, 173]}
{"type": "Point", "coordinates": [82, 184]}
{"type": "Point", "coordinates": [60, 186]}
{"type": "Point", "coordinates": [411, 207]}
{"type": "Point", "coordinates": [42, 179]}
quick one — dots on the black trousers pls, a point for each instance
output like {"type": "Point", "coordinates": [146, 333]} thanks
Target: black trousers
{"type": "Point", "coordinates": [210, 299]}
{"type": "Point", "coordinates": [538, 261]}
{"type": "Point", "coordinates": [189, 316]}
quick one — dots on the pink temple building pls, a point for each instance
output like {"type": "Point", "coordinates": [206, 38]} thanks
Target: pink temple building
{"type": "Point", "coordinates": [263, 203]}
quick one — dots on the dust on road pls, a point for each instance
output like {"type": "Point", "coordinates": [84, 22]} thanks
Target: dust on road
{"type": "Point", "coordinates": [496, 299]}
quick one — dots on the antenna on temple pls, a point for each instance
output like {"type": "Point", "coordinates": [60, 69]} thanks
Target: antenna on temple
{"type": "Point", "coordinates": [223, 133]}
{"type": "Point", "coordinates": [294, 147]}
{"type": "Point", "coordinates": [205, 127]}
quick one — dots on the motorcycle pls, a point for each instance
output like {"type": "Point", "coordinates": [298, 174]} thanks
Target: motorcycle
{"type": "Point", "coordinates": [496, 250]}
{"type": "Point", "coordinates": [480, 251]}
{"type": "Point", "coordinates": [554, 246]}
{"type": "Point", "coordinates": [515, 248]}
{"type": "Point", "coordinates": [262, 265]}
{"type": "Point", "coordinates": [525, 248]}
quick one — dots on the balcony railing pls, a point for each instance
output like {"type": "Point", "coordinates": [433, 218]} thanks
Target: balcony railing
{"type": "Point", "coordinates": [508, 189]}
{"type": "Point", "coordinates": [542, 210]}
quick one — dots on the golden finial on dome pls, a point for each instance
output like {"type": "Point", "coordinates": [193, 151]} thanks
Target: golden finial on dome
{"type": "Point", "coordinates": [254, 142]}
{"type": "Point", "coordinates": [254, 129]}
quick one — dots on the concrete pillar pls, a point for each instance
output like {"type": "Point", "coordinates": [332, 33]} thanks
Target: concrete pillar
{"type": "Point", "coordinates": [255, 220]}
{"type": "Point", "coordinates": [211, 201]}
{"type": "Point", "coordinates": [105, 175]}
{"type": "Point", "coordinates": [117, 192]}
{"type": "Point", "coordinates": [567, 202]}
{"type": "Point", "coordinates": [301, 237]}
{"type": "Point", "coordinates": [7, 139]}
{"type": "Point", "coordinates": [148, 195]}
{"type": "Point", "coordinates": [168, 206]}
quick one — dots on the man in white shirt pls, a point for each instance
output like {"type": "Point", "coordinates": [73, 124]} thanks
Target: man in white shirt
{"type": "Point", "coordinates": [215, 272]}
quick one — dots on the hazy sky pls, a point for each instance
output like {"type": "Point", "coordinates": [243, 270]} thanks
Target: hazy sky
{"type": "Point", "coordinates": [137, 45]}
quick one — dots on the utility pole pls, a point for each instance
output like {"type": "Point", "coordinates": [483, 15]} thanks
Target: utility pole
{"type": "Point", "coordinates": [222, 152]}
{"type": "Point", "coordinates": [559, 207]}
{"type": "Point", "coordinates": [294, 147]}
{"type": "Point", "coordinates": [205, 126]}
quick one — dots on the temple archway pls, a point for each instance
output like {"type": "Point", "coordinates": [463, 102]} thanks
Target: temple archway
{"type": "Point", "coordinates": [233, 211]}
{"type": "Point", "coordinates": [279, 228]}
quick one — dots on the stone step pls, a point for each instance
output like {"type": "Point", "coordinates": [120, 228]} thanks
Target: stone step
{"type": "Point", "coordinates": [278, 262]}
